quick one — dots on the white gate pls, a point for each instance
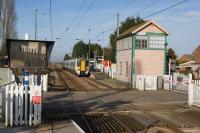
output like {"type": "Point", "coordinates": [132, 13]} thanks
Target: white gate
{"type": "Point", "coordinates": [151, 83]}
{"type": "Point", "coordinates": [167, 82]}
{"type": "Point", "coordinates": [19, 107]}
{"type": "Point", "coordinates": [146, 82]}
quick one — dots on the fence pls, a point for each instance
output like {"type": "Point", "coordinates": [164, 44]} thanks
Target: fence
{"type": "Point", "coordinates": [23, 107]}
{"type": "Point", "coordinates": [111, 71]}
{"type": "Point", "coordinates": [167, 82]}
{"type": "Point", "coordinates": [23, 103]}
{"type": "Point", "coordinates": [180, 82]}
{"type": "Point", "coordinates": [194, 92]}
{"type": "Point", "coordinates": [143, 82]}
{"type": "Point", "coordinates": [146, 82]}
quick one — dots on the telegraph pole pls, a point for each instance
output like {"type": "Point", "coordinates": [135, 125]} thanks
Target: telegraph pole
{"type": "Point", "coordinates": [89, 49]}
{"type": "Point", "coordinates": [36, 11]}
{"type": "Point", "coordinates": [117, 24]}
{"type": "Point", "coordinates": [50, 21]}
{"type": "Point", "coordinates": [89, 43]}
{"type": "Point", "coordinates": [103, 54]}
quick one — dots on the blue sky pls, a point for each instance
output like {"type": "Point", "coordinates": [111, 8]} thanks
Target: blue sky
{"type": "Point", "coordinates": [183, 21]}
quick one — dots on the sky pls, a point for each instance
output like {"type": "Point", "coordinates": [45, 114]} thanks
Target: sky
{"type": "Point", "coordinates": [182, 21]}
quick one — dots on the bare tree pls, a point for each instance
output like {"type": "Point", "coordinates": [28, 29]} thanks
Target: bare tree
{"type": "Point", "coordinates": [7, 22]}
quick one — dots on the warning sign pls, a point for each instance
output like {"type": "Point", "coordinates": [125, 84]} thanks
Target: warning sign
{"type": "Point", "coordinates": [36, 98]}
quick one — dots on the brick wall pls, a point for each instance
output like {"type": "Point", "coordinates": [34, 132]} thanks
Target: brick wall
{"type": "Point", "coordinates": [123, 57]}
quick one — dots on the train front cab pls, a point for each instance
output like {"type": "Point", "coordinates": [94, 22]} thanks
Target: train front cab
{"type": "Point", "coordinates": [83, 66]}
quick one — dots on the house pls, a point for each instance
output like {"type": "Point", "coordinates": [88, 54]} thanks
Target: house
{"type": "Point", "coordinates": [191, 66]}
{"type": "Point", "coordinates": [196, 54]}
{"type": "Point", "coordinates": [185, 58]}
{"type": "Point", "coordinates": [28, 53]}
{"type": "Point", "coordinates": [141, 50]}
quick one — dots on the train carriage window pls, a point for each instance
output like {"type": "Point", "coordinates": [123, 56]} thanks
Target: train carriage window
{"type": "Point", "coordinates": [78, 63]}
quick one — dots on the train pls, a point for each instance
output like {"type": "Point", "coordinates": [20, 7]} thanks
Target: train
{"type": "Point", "coordinates": [79, 66]}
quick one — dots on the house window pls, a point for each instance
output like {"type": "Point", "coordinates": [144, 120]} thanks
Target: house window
{"type": "Point", "coordinates": [156, 42]}
{"type": "Point", "coordinates": [141, 42]}
{"type": "Point", "coordinates": [152, 41]}
{"type": "Point", "coordinates": [126, 68]}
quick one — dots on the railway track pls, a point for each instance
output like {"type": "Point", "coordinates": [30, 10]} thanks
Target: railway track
{"type": "Point", "coordinates": [105, 121]}
{"type": "Point", "coordinates": [97, 122]}
{"type": "Point", "coordinates": [75, 104]}
{"type": "Point", "coordinates": [97, 84]}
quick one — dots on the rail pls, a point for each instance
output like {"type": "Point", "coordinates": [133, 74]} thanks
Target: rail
{"type": "Point", "coordinates": [75, 103]}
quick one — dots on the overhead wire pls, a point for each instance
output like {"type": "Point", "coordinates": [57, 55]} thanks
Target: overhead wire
{"type": "Point", "coordinates": [73, 19]}
{"type": "Point", "coordinates": [148, 6]}
{"type": "Point", "coordinates": [120, 10]}
{"type": "Point", "coordinates": [105, 31]}
{"type": "Point", "coordinates": [83, 16]}
{"type": "Point", "coordinates": [167, 8]}
{"type": "Point", "coordinates": [126, 6]}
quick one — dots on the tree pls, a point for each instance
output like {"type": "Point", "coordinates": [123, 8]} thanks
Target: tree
{"type": "Point", "coordinates": [107, 53]}
{"type": "Point", "coordinates": [67, 57]}
{"type": "Point", "coordinates": [95, 48]}
{"type": "Point", "coordinates": [171, 54]}
{"type": "Point", "coordinates": [81, 49]}
{"type": "Point", "coordinates": [7, 22]}
{"type": "Point", "coordinates": [125, 25]}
